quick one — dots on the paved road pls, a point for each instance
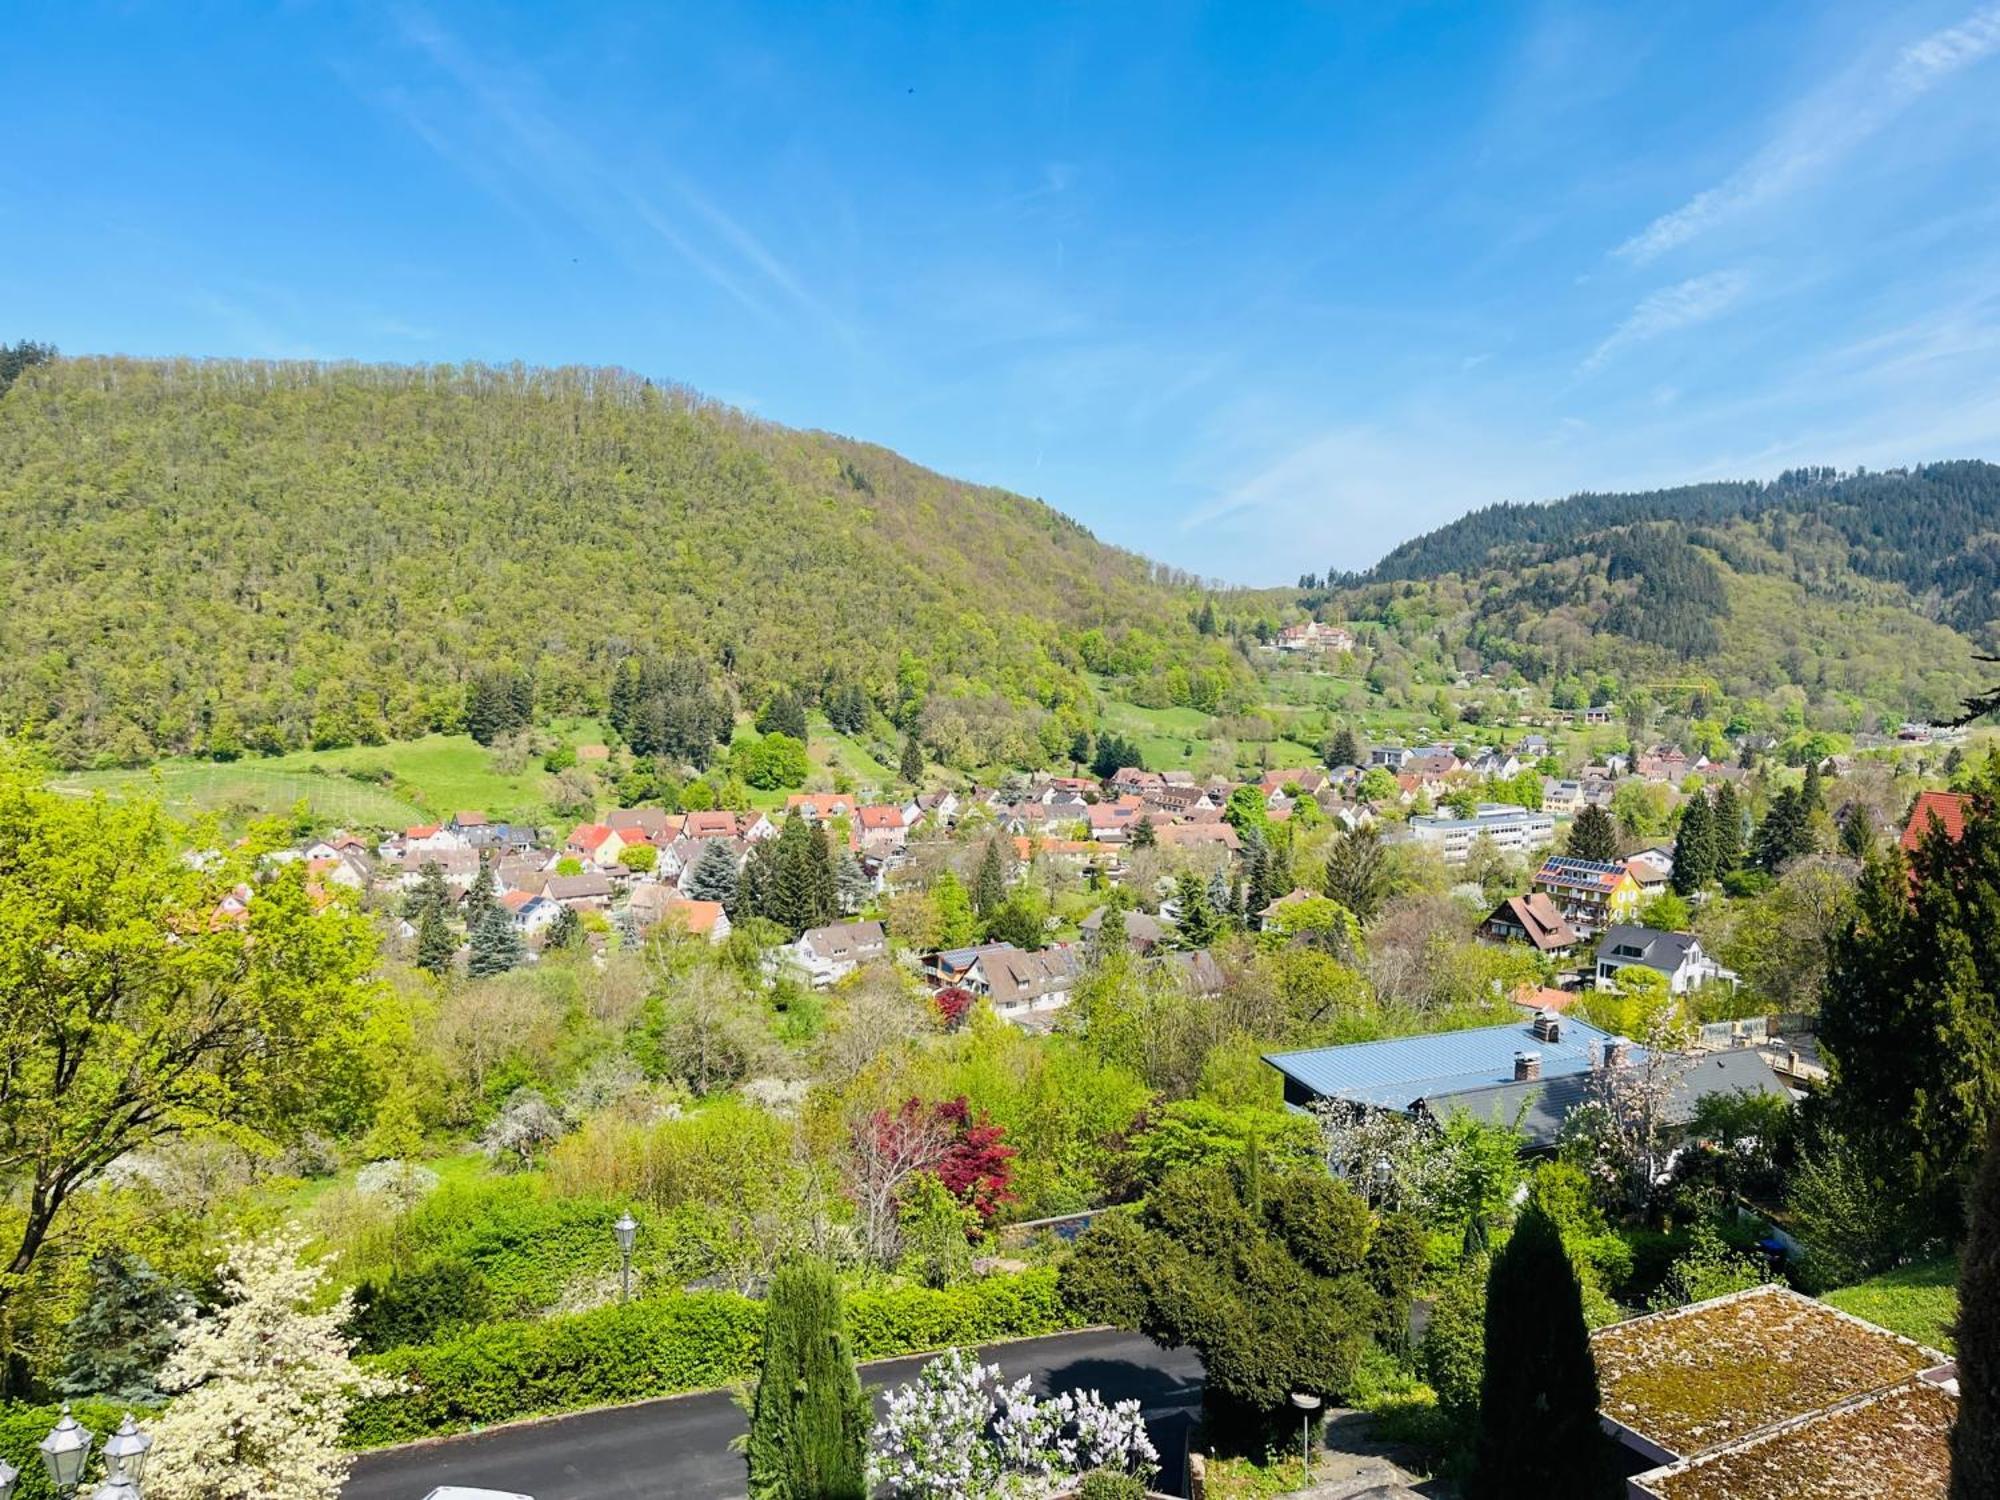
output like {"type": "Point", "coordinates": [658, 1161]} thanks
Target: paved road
{"type": "Point", "coordinates": [678, 1448]}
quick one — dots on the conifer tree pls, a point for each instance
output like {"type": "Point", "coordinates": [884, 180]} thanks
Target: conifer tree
{"type": "Point", "coordinates": [482, 895]}
{"type": "Point", "coordinates": [1593, 836]}
{"type": "Point", "coordinates": [1975, 1436]}
{"type": "Point", "coordinates": [911, 768]}
{"type": "Point", "coordinates": [1196, 924]}
{"type": "Point", "coordinates": [565, 932]}
{"type": "Point", "coordinates": [430, 891]}
{"type": "Point", "coordinates": [1694, 848]}
{"type": "Point", "coordinates": [713, 877]}
{"type": "Point", "coordinates": [1342, 749]}
{"type": "Point", "coordinates": [496, 944]}
{"type": "Point", "coordinates": [1725, 829]}
{"type": "Point", "coordinates": [1143, 836]}
{"type": "Point", "coordinates": [1357, 872]}
{"type": "Point", "coordinates": [989, 885]}
{"type": "Point", "coordinates": [809, 1418]}
{"type": "Point", "coordinates": [436, 947]}
{"type": "Point", "coordinates": [1538, 1425]}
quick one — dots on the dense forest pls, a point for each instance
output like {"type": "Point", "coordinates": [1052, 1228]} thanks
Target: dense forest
{"type": "Point", "coordinates": [223, 557]}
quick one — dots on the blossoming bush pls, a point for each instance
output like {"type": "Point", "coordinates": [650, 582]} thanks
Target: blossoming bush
{"type": "Point", "coordinates": [957, 1433]}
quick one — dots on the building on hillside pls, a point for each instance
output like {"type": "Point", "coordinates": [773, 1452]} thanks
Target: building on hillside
{"type": "Point", "coordinates": [1591, 895]}
{"type": "Point", "coordinates": [1143, 932]}
{"type": "Point", "coordinates": [649, 823]}
{"type": "Point", "coordinates": [586, 892]}
{"type": "Point", "coordinates": [1601, 713]}
{"type": "Point", "coordinates": [1313, 636]}
{"type": "Point", "coordinates": [1942, 810]}
{"type": "Point", "coordinates": [1197, 835]}
{"type": "Point", "coordinates": [1530, 1073]}
{"type": "Point", "coordinates": [826, 955]}
{"type": "Point", "coordinates": [596, 844]}
{"type": "Point", "coordinates": [1514, 830]}
{"type": "Point", "coordinates": [1195, 971]}
{"type": "Point", "coordinates": [1531, 919]}
{"type": "Point", "coordinates": [1024, 987]}
{"type": "Point", "coordinates": [530, 913]}
{"type": "Point", "coordinates": [1768, 1392]}
{"type": "Point", "coordinates": [1389, 757]}
{"type": "Point", "coordinates": [818, 807]}
{"type": "Point", "coordinates": [1676, 957]}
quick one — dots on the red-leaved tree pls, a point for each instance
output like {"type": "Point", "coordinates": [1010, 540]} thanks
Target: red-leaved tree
{"type": "Point", "coordinates": [889, 1149]}
{"type": "Point", "coordinates": [952, 1005]}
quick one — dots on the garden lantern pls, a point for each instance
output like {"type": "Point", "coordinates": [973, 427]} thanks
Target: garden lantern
{"type": "Point", "coordinates": [65, 1451]}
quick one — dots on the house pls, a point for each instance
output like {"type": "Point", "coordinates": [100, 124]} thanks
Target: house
{"type": "Point", "coordinates": [432, 838]}
{"type": "Point", "coordinates": [503, 837]}
{"type": "Point", "coordinates": [1313, 636]}
{"type": "Point", "coordinates": [1179, 778]}
{"type": "Point", "coordinates": [1602, 713]}
{"type": "Point", "coordinates": [531, 912]}
{"type": "Point", "coordinates": [1943, 810]}
{"type": "Point", "coordinates": [655, 903]}
{"type": "Point", "coordinates": [1534, 746]}
{"type": "Point", "coordinates": [650, 823]}
{"type": "Point", "coordinates": [1389, 757]}
{"type": "Point", "coordinates": [1196, 972]}
{"type": "Point", "coordinates": [1277, 908]}
{"type": "Point", "coordinates": [1652, 870]}
{"type": "Point", "coordinates": [1306, 781]}
{"type": "Point", "coordinates": [1196, 836]}
{"type": "Point", "coordinates": [950, 966]}
{"type": "Point", "coordinates": [1590, 895]}
{"type": "Point", "coordinates": [1514, 830]}
{"type": "Point", "coordinates": [1023, 987]}
{"type": "Point", "coordinates": [944, 806]}
{"type": "Point", "coordinates": [335, 871]}
{"type": "Point", "coordinates": [1531, 919]}
{"type": "Point", "coordinates": [1112, 822]}
{"type": "Point", "coordinates": [1497, 764]}
{"type": "Point", "coordinates": [817, 807]}
{"type": "Point", "coordinates": [1663, 763]}
{"type": "Point", "coordinates": [1676, 957]}
{"type": "Point", "coordinates": [884, 829]}
{"type": "Point", "coordinates": [596, 844]}
{"type": "Point", "coordinates": [1562, 796]}
{"type": "Point", "coordinates": [827, 954]}
{"type": "Point", "coordinates": [589, 892]}
{"type": "Point", "coordinates": [1768, 1392]}
{"type": "Point", "coordinates": [723, 824]}
{"type": "Point", "coordinates": [1135, 779]}
{"type": "Point", "coordinates": [459, 867]}
{"type": "Point", "coordinates": [1143, 933]}
{"type": "Point", "coordinates": [1178, 801]}
{"type": "Point", "coordinates": [1533, 1071]}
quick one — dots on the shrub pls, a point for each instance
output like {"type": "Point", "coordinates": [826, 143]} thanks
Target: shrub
{"type": "Point", "coordinates": [809, 1420]}
{"type": "Point", "coordinates": [439, 1295]}
{"type": "Point", "coordinates": [1107, 1484]}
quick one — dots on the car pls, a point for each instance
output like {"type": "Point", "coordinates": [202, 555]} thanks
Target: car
{"type": "Point", "coordinates": [461, 1492]}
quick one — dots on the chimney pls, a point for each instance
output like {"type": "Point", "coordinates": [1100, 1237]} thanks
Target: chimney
{"type": "Point", "coordinates": [1527, 1066]}
{"type": "Point", "coordinates": [1547, 1027]}
{"type": "Point", "coordinates": [1617, 1052]}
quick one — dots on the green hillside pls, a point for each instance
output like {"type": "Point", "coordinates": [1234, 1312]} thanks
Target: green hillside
{"type": "Point", "coordinates": [221, 555]}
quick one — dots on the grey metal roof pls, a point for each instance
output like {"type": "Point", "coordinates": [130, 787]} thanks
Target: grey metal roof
{"type": "Point", "coordinates": [1665, 951]}
{"type": "Point", "coordinates": [1392, 1074]}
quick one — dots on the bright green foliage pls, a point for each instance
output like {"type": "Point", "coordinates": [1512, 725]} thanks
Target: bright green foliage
{"type": "Point", "coordinates": [1269, 1292]}
{"type": "Point", "coordinates": [565, 932]}
{"type": "Point", "coordinates": [1593, 835]}
{"type": "Point", "coordinates": [134, 1013]}
{"type": "Point", "coordinates": [1453, 1354]}
{"type": "Point", "coordinates": [773, 761]}
{"type": "Point", "coordinates": [1709, 1268]}
{"type": "Point", "coordinates": [809, 1420]}
{"type": "Point", "coordinates": [1538, 1428]}
{"type": "Point", "coordinates": [429, 894]}
{"type": "Point", "coordinates": [958, 924]}
{"type": "Point", "coordinates": [433, 1298]}
{"type": "Point", "coordinates": [1107, 1484]}
{"type": "Point", "coordinates": [22, 1427]}
{"type": "Point", "coordinates": [1192, 1133]}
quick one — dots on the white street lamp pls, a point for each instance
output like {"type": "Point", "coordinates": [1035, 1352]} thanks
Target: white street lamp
{"type": "Point", "coordinates": [1307, 1405]}
{"type": "Point", "coordinates": [1383, 1172]}
{"type": "Point", "coordinates": [65, 1451]}
{"type": "Point", "coordinates": [627, 1230]}
{"type": "Point", "coordinates": [125, 1457]}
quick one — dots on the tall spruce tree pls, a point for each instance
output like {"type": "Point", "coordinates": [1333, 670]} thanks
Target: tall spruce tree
{"type": "Point", "coordinates": [1694, 847]}
{"type": "Point", "coordinates": [565, 932]}
{"type": "Point", "coordinates": [1538, 1426]}
{"type": "Point", "coordinates": [430, 891]}
{"type": "Point", "coordinates": [911, 767]}
{"type": "Point", "coordinates": [496, 944]}
{"type": "Point", "coordinates": [483, 893]}
{"type": "Point", "coordinates": [1341, 749]}
{"type": "Point", "coordinates": [1975, 1436]}
{"type": "Point", "coordinates": [713, 877]}
{"type": "Point", "coordinates": [1726, 829]}
{"type": "Point", "coordinates": [1593, 836]}
{"type": "Point", "coordinates": [1357, 872]}
{"type": "Point", "coordinates": [989, 884]}
{"type": "Point", "coordinates": [809, 1418]}
{"type": "Point", "coordinates": [436, 947]}
{"type": "Point", "coordinates": [783, 713]}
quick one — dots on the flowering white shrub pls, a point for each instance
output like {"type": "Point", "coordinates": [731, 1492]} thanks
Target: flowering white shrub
{"type": "Point", "coordinates": [956, 1433]}
{"type": "Point", "coordinates": [403, 1181]}
{"type": "Point", "coordinates": [265, 1385]}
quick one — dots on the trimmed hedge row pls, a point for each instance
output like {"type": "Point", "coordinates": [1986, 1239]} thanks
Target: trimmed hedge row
{"type": "Point", "coordinates": [659, 1346]}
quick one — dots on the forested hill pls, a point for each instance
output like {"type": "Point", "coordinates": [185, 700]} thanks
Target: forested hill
{"type": "Point", "coordinates": [1934, 530]}
{"type": "Point", "coordinates": [207, 555]}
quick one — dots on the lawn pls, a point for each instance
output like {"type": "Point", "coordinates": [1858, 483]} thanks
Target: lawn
{"type": "Point", "coordinates": [370, 786]}
{"type": "Point", "coordinates": [1918, 1301]}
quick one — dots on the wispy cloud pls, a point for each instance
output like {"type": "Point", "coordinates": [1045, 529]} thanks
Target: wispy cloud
{"type": "Point", "coordinates": [539, 156]}
{"type": "Point", "coordinates": [1682, 305]}
{"type": "Point", "coordinates": [1829, 125]}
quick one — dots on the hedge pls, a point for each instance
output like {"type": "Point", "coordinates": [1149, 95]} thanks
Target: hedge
{"type": "Point", "coordinates": [658, 1346]}
{"type": "Point", "coordinates": [22, 1429]}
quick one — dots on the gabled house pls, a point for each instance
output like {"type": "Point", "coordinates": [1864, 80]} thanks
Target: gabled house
{"type": "Point", "coordinates": [655, 903]}
{"type": "Point", "coordinates": [531, 913]}
{"type": "Point", "coordinates": [1590, 895]}
{"type": "Point", "coordinates": [1389, 757]}
{"type": "Point", "coordinates": [827, 954]}
{"type": "Point", "coordinates": [1676, 957]}
{"type": "Point", "coordinates": [1944, 811]}
{"type": "Point", "coordinates": [1143, 933]}
{"type": "Point", "coordinates": [1022, 986]}
{"type": "Point", "coordinates": [589, 892]}
{"type": "Point", "coordinates": [650, 823]}
{"type": "Point", "coordinates": [596, 844]}
{"type": "Point", "coordinates": [1531, 919]}
{"type": "Point", "coordinates": [817, 807]}
{"type": "Point", "coordinates": [884, 829]}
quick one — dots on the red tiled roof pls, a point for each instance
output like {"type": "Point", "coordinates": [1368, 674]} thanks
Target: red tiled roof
{"type": "Point", "coordinates": [1946, 808]}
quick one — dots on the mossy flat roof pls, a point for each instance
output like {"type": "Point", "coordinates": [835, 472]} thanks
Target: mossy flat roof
{"type": "Point", "coordinates": [1701, 1378]}
{"type": "Point", "coordinates": [1893, 1444]}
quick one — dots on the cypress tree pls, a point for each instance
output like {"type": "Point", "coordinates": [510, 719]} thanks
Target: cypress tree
{"type": "Point", "coordinates": [989, 885]}
{"type": "Point", "coordinates": [1538, 1432]}
{"type": "Point", "coordinates": [1694, 848]}
{"type": "Point", "coordinates": [1341, 749]}
{"type": "Point", "coordinates": [1725, 829]}
{"type": "Point", "coordinates": [1593, 836]}
{"type": "Point", "coordinates": [809, 1418]}
{"type": "Point", "coordinates": [496, 945]}
{"type": "Point", "coordinates": [1975, 1436]}
{"type": "Point", "coordinates": [435, 945]}
{"type": "Point", "coordinates": [911, 768]}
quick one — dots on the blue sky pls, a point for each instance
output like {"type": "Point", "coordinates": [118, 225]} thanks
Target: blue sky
{"type": "Point", "coordinates": [1254, 289]}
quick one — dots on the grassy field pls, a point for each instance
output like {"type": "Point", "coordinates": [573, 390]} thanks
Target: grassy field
{"type": "Point", "coordinates": [1919, 1301]}
{"type": "Point", "coordinates": [387, 786]}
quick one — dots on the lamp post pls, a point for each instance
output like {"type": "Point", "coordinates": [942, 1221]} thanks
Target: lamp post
{"type": "Point", "coordinates": [1307, 1405]}
{"type": "Point", "coordinates": [124, 1462]}
{"type": "Point", "coordinates": [65, 1451]}
{"type": "Point", "coordinates": [1383, 1173]}
{"type": "Point", "coordinates": [627, 1230]}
